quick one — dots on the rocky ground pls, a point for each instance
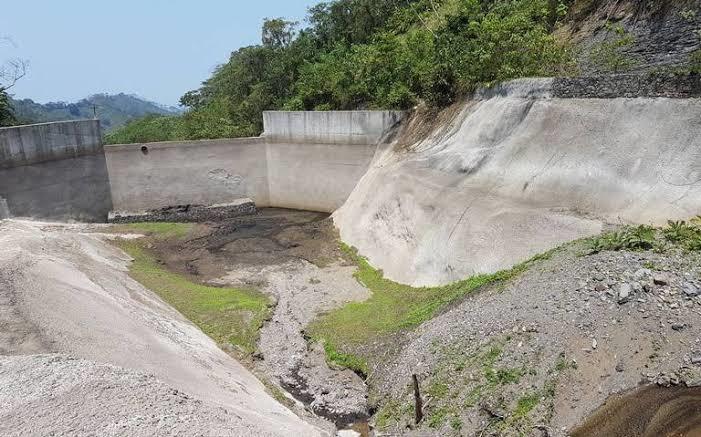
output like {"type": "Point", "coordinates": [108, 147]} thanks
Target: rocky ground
{"type": "Point", "coordinates": [537, 355]}
{"type": "Point", "coordinates": [540, 354]}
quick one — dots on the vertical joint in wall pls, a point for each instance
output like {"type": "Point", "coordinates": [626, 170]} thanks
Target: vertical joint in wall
{"type": "Point", "coordinates": [4, 209]}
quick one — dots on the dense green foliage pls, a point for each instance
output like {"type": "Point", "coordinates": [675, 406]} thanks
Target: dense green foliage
{"type": "Point", "coordinates": [112, 110]}
{"type": "Point", "coordinates": [7, 116]}
{"type": "Point", "coordinates": [368, 54]}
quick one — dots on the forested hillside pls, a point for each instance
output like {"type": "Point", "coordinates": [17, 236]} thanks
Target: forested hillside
{"type": "Point", "coordinates": [112, 110]}
{"type": "Point", "coordinates": [367, 54]}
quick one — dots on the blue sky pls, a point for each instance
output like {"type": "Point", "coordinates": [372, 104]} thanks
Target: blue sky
{"type": "Point", "coordinates": [158, 49]}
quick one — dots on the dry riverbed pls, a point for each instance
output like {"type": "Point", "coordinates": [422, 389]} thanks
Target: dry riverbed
{"type": "Point", "coordinates": [535, 350]}
{"type": "Point", "coordinates": [292, 258]}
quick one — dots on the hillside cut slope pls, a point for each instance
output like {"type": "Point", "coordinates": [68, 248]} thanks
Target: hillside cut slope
{"type": "Point", "coordinates": [516, 172]}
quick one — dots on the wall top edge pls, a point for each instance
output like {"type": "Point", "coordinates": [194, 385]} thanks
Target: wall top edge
{"type": "Point", "coordinates": [84, 120]}
{"type": "Point", "coordinates": [356, 111]}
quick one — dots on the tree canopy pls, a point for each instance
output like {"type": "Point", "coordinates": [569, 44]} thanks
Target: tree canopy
{"type": "Point", "coordinates": [373, 54]}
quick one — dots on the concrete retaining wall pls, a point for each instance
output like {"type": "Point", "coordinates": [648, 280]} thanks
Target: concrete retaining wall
{"type": "Point", "coordinates": [515, 175]}
{"type": "Point", "coordinates": [157, 175]}
{"type": "Point", "coordinates": [316, 158]}
{"type": "Point", "coordinates": [328, 127]}
{"type": "Point", "coordinates": [55, 171]}
{"type": "Point", "coordinates": [315, 177]}
{"type": "Point", "coordinates": [305, 160]}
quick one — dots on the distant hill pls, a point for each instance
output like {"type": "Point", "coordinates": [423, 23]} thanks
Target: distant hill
{"type": "Point", "coordinates": [113, 110]}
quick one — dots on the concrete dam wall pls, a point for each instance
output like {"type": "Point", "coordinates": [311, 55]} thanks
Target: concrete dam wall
{"type": "Point", "coordinates": [304, 160]}
{"type": "Point", "coordinates": [518, 171]}
{"type": "Point", "coordinates": [515, 171]}
{"type": "Point", "coordinates": [54, 171]}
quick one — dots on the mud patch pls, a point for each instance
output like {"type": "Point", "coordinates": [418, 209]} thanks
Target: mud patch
{"type": "Point", "coordinates": [273, 236]}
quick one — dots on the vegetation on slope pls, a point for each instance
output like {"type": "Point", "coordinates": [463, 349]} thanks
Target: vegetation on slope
{"type": "Point", "coordinates": [228, 315]}
{"type": "Point", "coordinates": [391, 308]}
{"type": "Point", "coordinates": [368, 54]}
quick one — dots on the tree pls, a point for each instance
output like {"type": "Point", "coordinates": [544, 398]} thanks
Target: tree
{"type": "Point", "coordinates": [278, 32]}
{"type": "Point", "coordinates": [11, 71]}
{"type": "Point", "coordinates": [7, 118]}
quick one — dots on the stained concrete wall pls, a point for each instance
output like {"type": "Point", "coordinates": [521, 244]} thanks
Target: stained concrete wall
{"type": "Point", "coordinates": [179, 173]}
{"type": "Point", "coordinates": [305, 160]}
{"type": "Point", "coordinates": [316, 158]}
{"type": "Point", "coordinates": [315, 177]}
{"type": "Point", "coordinates": [328, 127]}
{"type": "Point", "coordinates": [55, 171]}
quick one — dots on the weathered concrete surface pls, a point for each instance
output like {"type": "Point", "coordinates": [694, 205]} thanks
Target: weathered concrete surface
{"type": "Point", "coordinates": [55, 170]}
{"type": "Point", "coordinates": [204, 172]}
{"type": "Point", "coordinates": [315, 177]}
{"type": "Point", "coordinates": [4, 209]}
{"type": "Point", "coordinates": [316, 158]}
{"type": "Point", "coordinates": [67, 292]}
{"type": "Point", "coordinates": [514, 176]}
{"type": "Point", "coordinates": [30, 144]}
{"type": "Point", "coordinates": [328, 127]}
{"type": "Point", "coordinates": [305, 160]}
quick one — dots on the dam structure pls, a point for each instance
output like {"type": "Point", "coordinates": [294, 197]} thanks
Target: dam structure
{"type": "Point", "coordinates": [427, 198]}
{"type": "Point", "coordinates": [303, 160]}
{"type": "Point", "coordinates": [517, 169]}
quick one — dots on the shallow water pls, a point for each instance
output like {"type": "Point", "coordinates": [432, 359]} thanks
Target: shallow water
{"type": "Point", "coordinates": [649, 411]}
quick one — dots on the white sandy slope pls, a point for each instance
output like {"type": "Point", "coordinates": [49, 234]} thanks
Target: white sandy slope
{"type": "Point", "coordinates": [517, 174]}
{"type": "Point", "coordinates": [121, 361]}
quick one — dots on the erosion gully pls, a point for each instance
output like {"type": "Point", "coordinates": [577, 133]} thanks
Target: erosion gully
{"type": "Point", "coordinates": [293, 256]}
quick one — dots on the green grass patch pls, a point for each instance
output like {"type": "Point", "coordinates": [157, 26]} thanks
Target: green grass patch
{"type": "Point", "coordinates": [391, 308]}
{"type": "Point", "coordinates": [628, 238]}
{"type": "Point", "coordinates": [437, 417]}
{"type": "Point", "coordinates": [350, 361]}
{"type": "Point", "coordinates": [525, 405]}
{"type": "Point", "coordinates": [228, 315]}
{"type": "Point", "coordinates": [160, 230]}
{"type": "Point", "coordinates": [393, 413]}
